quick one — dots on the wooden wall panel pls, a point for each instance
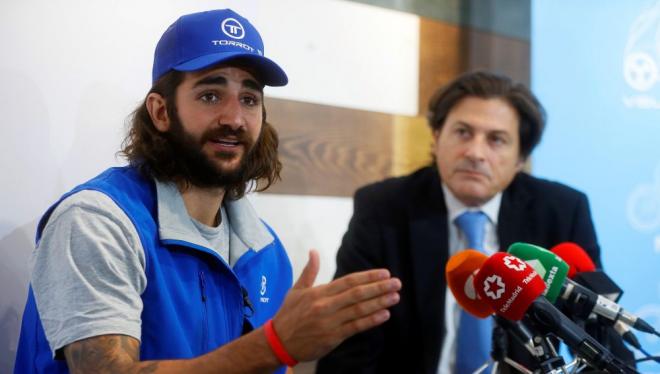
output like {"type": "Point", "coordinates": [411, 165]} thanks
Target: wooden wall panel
{"type": "Point", "coordinates": [449, 50]}
{"type": "Point", "coordinates": [328, 150]}
{"type": "Point", "coordinates": [411, 144]}
{"type": "Point", "coordinates": [441, 57]}
{"type": "Point", "coordinates": [508, 56]}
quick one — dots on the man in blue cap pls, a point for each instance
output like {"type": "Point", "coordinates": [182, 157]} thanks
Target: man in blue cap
{"type": "Point", "coordinates": [163, 265]}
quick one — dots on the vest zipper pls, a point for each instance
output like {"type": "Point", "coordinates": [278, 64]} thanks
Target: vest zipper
{"type": "Point", "coordinates": [247, 303]}
{"type": "Point", "coordinates": [205, 326]}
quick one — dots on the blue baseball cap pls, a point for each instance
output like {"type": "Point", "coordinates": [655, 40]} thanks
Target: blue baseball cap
{"type": "Point", "coordinates": [200, 40]}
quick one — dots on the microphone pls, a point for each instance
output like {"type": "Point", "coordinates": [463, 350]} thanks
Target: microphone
{"type": "Point", "coordinates": [550, 267]}
{"type": "Point", "coordinates": [598, 288]}
{"type": "Point", "coordinates": [459, 273]}
{"type": "Point", "coordinates": [600, 283]}
{"type": "Point", "coordinates": [581, 300]}
{"type": "Point", "coordinates": [577, 258]}
{"type": "Point", "coordinates": [514, 290]}
{"type": "Point", "coordinates": [583, 271]}
{"type": "Point", "coordinates": [624, 331]}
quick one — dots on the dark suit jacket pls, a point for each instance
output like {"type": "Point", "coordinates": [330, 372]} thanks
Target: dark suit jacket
{"type": "Point", "coordinates": [401, 224]}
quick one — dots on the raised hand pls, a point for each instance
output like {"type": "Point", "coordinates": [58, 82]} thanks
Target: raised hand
{"type": "Point", "coordinates": [314, 320]}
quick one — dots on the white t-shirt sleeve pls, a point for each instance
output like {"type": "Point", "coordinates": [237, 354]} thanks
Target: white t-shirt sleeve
{"type": "Point", "coordinates": [88, 271]}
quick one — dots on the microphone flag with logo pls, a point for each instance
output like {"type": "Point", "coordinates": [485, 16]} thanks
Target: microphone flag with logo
{"type": "Point", "coordinates": [509, 285]}
{"type": "Point", "coordinates": [550, 267]}
{"type": "Point", "coordinates": [459, 272]}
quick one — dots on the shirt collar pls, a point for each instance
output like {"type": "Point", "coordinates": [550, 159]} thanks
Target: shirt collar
{"type": "Point", "coordinates": [455, 207]}
{"type": "Point", "coordinates": [176, 224]}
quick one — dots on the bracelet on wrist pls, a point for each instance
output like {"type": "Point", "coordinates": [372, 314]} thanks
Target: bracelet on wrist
{"type": "Point", "coordinates": [276, 345]}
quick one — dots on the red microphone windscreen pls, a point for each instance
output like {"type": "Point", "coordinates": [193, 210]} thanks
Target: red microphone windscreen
{"type": "Point", "coordinates": [459, 273]}
{"type": "Point", "coordinates": [577, 258]}
{"type": "Point", "coordinates": [509, 285]}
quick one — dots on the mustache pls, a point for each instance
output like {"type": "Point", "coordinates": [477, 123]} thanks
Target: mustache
{"type": "Point", "coordinates": [473, 167]}
{"type": "Point", "coordinates": [239, 134]}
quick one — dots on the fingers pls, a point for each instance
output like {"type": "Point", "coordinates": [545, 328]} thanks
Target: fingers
{"type": "Point", "coordinates": [360, 309]}
{"type": "Point", "coordinates": [357, 296]}
{"type": "Point", "coordinates": [309, 273]}
{"type": "Point", "coordinates": [365, 323]}
{"type": "Point", "coordinates": [356, 279]}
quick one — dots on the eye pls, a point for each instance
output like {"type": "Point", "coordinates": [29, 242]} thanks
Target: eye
{"type": "Point", "coordinates": [209, 98]}
{"type": "Point", "coordinates": [462, 132]}
{"type": "Point", "coordinates": [498, 140]}
{"type": "Point", "coordinates": [250, 100]}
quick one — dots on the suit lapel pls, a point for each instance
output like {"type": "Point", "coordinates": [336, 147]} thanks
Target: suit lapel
{"type": "Point", "coordinates": [429, 242]}
{"type": "Point", "coordinates": [513, 220]}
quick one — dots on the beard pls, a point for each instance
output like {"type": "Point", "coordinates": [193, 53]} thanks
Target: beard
{"type": "Point", "coordinates": [195, 167]}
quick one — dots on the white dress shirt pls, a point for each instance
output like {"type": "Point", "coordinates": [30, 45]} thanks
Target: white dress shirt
{"type": "Point", "coordinates": [458, 242]}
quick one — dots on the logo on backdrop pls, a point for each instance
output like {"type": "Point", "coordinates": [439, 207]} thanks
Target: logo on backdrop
{"type": "Point", "coordinates": [641, 60]}
{"type": "Point", "coordinates": [232, 28]}
{"type": "Point", "coordinates": [643, 207]}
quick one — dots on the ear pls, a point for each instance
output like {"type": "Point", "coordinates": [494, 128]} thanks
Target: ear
{"type": "Point", "coordinates": [436, 135]}
{"type": "Point", "coordinates": [521, 163]}
{"type": "Point", "coordinates": [157, 108]}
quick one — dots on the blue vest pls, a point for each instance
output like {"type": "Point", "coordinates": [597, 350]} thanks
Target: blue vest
{"type": "Point", "coordinates": [193, 303]}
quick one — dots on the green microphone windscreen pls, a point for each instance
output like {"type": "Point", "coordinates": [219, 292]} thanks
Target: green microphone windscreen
{"type": "Point", "coordinates": [550, 267]}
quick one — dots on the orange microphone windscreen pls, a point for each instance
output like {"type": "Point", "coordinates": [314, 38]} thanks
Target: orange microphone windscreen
{"type": "Point", "coordinates": [459, 272]}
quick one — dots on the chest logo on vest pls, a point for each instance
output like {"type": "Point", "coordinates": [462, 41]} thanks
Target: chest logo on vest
{"type": "Point", "coordinates": [262, 291]}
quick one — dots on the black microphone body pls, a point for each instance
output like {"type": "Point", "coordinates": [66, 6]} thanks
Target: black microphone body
{"type": "Point", "coordinates": [600, 283]}
{"type": "Point", "coordinates": [549, 320]}
{"type": "Point", "coordinates": [581, 302]}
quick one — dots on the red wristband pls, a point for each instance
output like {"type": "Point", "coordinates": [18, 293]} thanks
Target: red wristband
{"type": "Point", "coordinates": [276, 345]}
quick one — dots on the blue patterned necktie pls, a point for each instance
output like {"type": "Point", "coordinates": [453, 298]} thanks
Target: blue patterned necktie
{"type": "Point", "coordinates": [474, 338]}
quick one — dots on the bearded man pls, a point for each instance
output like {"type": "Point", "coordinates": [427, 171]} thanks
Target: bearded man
{"type": "Point", "coordinates": [163, 265]}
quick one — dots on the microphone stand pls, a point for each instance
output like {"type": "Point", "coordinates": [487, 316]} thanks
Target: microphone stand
{"type": "Point", "coordinates": [540, 348]}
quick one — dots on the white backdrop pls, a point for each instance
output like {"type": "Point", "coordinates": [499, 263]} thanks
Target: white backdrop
{"type": "Point", "coordinates": [71, 71]}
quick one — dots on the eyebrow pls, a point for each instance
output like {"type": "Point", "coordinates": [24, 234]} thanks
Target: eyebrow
{"type": "Point", "coordinates": [496, 131]}
{"type": "Point", "coordinates": [222, 81]}
{"type": "Point", "coordinates": [502, 133]}
{"type": "Point", "coordinates": [462, 123]}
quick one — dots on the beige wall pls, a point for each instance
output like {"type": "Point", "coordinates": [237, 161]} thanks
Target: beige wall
{"type": "Point", "coordinates": [360, 76]}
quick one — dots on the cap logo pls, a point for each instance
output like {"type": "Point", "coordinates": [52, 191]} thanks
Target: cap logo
{"type": "Point", "coordinates": [494, 287]}
{"type": "Point", "coordinates": [232, 28]}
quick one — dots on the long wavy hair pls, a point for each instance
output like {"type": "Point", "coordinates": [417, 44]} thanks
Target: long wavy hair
{"type": "Point", "coordinates": [153, 153]}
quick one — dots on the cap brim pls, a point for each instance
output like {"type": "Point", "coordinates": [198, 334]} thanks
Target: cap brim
{"type": "Point", "coordinates": [270, 73]}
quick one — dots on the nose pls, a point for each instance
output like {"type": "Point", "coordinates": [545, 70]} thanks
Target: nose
{"type": "Point", "coordinates": [231, 113]}
{"type": "Point", "coordinates": [476, 148]}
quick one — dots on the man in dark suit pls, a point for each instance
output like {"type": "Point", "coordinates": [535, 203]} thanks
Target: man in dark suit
{"type": "Point", "coordinates": [484, 128]}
